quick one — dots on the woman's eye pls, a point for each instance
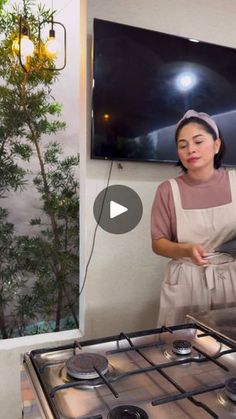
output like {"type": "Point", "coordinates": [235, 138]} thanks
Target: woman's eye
{"type": "Point", "coordinates": [198, 142]}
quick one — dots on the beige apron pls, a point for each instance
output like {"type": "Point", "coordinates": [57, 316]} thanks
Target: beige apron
{"type": "Point", "coordinates": [187, 287]}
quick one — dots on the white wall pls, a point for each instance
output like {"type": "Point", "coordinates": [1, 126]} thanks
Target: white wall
{"type": "Point", "coordinates": [123, 281]}
{"type": "Point", "coordinates": [124, 276]}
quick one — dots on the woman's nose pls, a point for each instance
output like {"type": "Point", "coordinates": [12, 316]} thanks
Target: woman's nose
{"type": "Point", "coordinates": [191, 148]}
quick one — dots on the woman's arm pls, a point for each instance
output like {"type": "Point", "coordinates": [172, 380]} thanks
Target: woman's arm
{"type": "Point", "coordinates": [173, 250]}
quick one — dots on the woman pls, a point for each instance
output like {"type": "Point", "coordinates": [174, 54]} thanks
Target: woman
{"type": "Point", "coordinates": [192, 215]}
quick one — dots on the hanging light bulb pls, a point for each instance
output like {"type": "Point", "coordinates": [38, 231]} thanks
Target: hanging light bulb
{"type": "Point", "coordinates": [45, 52]}
{"type": "Point", "coordinates": [52, 48]}
{"type": "Point", "coordinates": [24, 46]}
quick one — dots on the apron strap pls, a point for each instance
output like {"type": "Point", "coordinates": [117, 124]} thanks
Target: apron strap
{"type": "Point", "coordinates": [209, 276]}
{"type": "Point", "coordinates": [176, 194]}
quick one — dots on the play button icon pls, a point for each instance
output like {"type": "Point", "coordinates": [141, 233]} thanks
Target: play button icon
{"type": "Point", "coordinates": [118, 209]}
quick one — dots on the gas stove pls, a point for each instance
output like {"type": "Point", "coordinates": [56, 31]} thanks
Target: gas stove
{"type": "Point", "coordinates": [184, 371]}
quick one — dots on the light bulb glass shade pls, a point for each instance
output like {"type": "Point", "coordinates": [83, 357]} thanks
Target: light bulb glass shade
{"type": "Point", "coordinates": [52, 48]}
{"type": "Point", "coordinates": [26, 48]}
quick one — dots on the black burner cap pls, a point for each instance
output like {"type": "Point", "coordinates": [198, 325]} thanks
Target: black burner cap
{"type": "Point", "coordinates": [127, 412]}
{"type": "Point", "coordinates": [182, 347]}
{"type": "Point", "coordinates": [81, 366]}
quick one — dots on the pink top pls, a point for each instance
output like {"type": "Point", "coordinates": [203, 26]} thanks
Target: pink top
{"type": "Point", "coordinates": [194, 195]}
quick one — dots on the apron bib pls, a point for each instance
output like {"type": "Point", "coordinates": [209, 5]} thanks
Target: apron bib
{"type": "Point", "coordinates": [188, 287]}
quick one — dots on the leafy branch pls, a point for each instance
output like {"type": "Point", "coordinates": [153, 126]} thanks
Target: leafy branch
{"type": "Point", "coordinates": [48, 258]}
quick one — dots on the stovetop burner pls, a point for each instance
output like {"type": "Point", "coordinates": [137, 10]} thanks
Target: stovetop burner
{"type": "Point", "coordinates": [230, 388]}
{"type": "Point", "coordinates": [83, 366]}
{"type": "Point", "coordinates": [182, 347]}
{"type": "Point", "coordinates": [227, 396]}
{"type": "Point", "coordinates": [127, 412]}
{"type": "Point", "coordinates": [89, 383]}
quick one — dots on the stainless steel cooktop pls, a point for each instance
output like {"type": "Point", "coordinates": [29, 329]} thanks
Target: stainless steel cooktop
{"type": "Point", "coordinates": [183, 371]}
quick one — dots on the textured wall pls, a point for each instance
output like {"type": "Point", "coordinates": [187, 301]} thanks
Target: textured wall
{"type": "Point", "coordinates": [124, 277]}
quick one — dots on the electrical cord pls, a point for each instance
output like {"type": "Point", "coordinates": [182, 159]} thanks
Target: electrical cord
{"type": "Point", "coordinates": [60, 10]}
{"type": "Point", "coordinates": [95, 231]}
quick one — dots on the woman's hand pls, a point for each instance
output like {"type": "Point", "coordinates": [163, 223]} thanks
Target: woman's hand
{"type": "Point", "coordinates": [195, 252]}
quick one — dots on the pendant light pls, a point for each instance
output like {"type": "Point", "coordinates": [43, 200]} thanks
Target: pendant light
{"type": "Point", "coordinates": [51, 48]}
{"type": "Point", "coordinates": [24, 48]}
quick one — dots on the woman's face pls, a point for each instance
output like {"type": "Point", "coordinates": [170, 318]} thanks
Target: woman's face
{"type": "Point", "coordinates": [196, 148]}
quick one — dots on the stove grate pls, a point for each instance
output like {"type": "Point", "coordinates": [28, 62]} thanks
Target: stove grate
{"type": "Point", "coordinates": [159, 368]}
{"type": "Point", "coordinates": [187, 394]}
{"type": "Point", "coordinates": [183, 394]}
{"type": "Point", "coordinates": [110, 381]}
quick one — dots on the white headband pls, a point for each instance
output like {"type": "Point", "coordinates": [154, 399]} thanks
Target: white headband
{"type": "Point", "coordinates": [200, 115]}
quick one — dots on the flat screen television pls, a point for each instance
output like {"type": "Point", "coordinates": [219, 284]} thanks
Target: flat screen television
{"type": "Point", "coordinates": [145, 80]}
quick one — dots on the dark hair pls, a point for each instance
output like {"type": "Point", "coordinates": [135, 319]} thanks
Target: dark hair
{"type": "Point", "coordinates": [218, 158]}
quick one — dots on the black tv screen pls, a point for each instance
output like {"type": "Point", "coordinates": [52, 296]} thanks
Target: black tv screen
{"type": "Point", "coordinates": [145, 80]}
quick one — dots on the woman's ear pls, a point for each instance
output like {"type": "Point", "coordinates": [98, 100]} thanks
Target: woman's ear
{"type": "Point", "coordinates": [217, 144]}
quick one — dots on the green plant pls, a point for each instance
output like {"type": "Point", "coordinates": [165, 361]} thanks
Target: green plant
{"type": "Point", "coordinates": [11, 277]}
{"type": "Point", "coordinates": [53, 255]}
{"type": "Point", "coordinates": [48, 258]}
{"type": "Point", "coordinates": [2, 2]}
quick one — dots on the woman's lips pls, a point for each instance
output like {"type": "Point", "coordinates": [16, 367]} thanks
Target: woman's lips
{"type": "Point", "coordinates": [192, 159]}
